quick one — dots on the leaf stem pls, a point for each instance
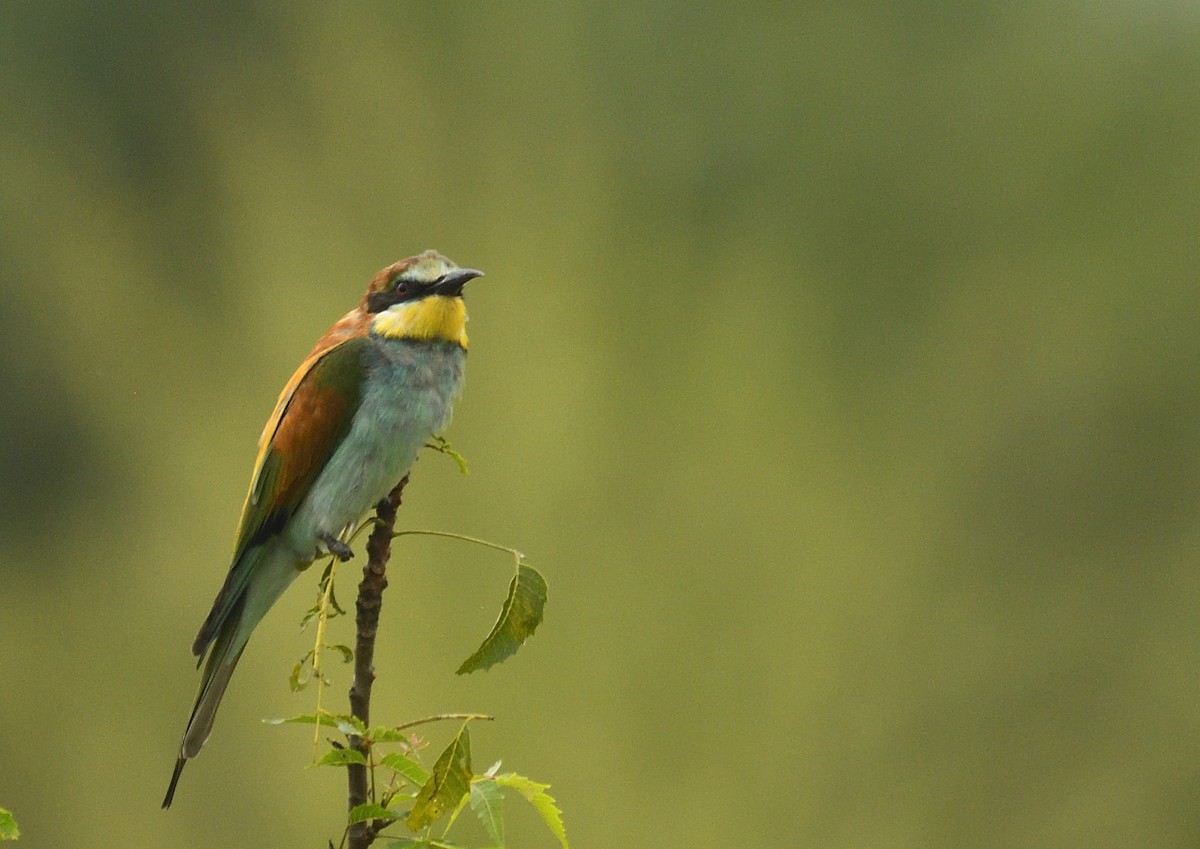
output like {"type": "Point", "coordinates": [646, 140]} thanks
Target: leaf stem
{"type": "Point", "coordinates": [464, 538]}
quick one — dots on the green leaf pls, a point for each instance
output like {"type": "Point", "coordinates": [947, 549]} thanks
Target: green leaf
{"type": "Point", "coordinates": [362, 813]}
{"type": "Point", "coordinates": [538, 797]}
{"type": "Point", "coordinates": [342, 757]}
{"type": "Point", "coordinates": [410, 769]}
{"type": "Point", "coordinates": [349, 725]}
{"type": "Point", "coordinates": [346, 724]}
{"type": "Point", "coordinates": [346, 652]}
{"type": "Point", "coordinates": [309, 615]}
{"type": "Point", "coordinates": [458, 809]}
{"type": "Point", "coordinates": [335, 608]}
{"type": "Point", "coordinates": [326, 719]}
{"type": "Point", "coordinates": [294, 682]}
{"type": "Point", "coordinates": [385, 734]}
{"type": "Point", "coordinates": [441, 446]}
{"type": "Point", "coordinates": [520, 616]}
{"type": "Point", "coordinates": [8, 826]}
{"type": "Point", "coordinates": [488, 805]}
{"type": "Point", "coordinates": [449, 782]}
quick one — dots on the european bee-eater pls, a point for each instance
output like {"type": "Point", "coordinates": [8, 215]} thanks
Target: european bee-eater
{"type": "Point", "coordinates": [346, 428]}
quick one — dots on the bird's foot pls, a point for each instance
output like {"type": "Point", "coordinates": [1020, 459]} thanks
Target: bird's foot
{"type": "Point", "coordinates": [336, 547]}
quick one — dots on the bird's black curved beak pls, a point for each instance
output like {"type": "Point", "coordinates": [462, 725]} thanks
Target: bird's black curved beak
{"type": "Point", "coordinates": [452, 283]}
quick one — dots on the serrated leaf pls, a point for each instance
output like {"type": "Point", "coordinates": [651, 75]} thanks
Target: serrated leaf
{"type": "Point", "coordinates": [342, 757]}
{"type": "Point", "coordinates": [369, 811]}
{"type": "Point", "coordinates": [449, 782]}
{"type": "Point", "coordinates": [410, 769]}
{"type": "Point", "coordinates": [346, 652]}
{"type": "Point", "coordinates": [519, 618]}
{"type": "Point", "coordinates": [542, 801]}
{"type": "Point", "coordinates": [488, 804]}
{"type": "Point", "coordinates": [8, 826]}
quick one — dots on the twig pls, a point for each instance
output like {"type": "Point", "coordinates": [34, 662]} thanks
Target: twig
{"type": "Point", "coordinates": [370, 599]}
{"type": "Point", "coordinates": [322, 618]}
{"type": "Point", "coordinates": [441, 717]}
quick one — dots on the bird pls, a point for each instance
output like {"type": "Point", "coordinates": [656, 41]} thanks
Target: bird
{"type": "Point", "coordinates": [345, 430]}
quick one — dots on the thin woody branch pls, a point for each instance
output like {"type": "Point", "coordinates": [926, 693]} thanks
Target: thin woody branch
{"type": "Point", "coordinates": [370, 599]}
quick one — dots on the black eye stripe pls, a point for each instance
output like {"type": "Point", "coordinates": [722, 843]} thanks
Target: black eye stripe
{"type": "Point", "coordinates": [399, 290]}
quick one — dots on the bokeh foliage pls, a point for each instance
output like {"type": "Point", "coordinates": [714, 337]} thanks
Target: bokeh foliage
{"type": "Point", "coordinates": [835, 362]}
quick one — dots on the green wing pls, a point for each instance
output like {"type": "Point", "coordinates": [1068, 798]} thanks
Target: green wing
{"type": "Point", "coordinates": [311, 422]}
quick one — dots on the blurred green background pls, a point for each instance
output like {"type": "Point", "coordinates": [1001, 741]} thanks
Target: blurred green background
{"type": "Point", "coordinates": [836, 363]}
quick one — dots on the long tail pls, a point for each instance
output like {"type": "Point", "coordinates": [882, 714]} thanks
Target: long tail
{"type": "Point", "coordinates": [255, 583]}
{"type": "Point", "coordinates": [221, 662]}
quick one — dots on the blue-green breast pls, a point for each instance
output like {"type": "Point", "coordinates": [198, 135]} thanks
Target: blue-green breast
{"type": "Point", "coordinates": [407, 394]}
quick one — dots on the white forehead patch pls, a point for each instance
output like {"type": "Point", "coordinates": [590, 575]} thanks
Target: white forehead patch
{"type": "Point", "coordinates": [429, 267]}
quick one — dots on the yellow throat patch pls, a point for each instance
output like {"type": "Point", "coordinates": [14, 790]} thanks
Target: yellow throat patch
{"type": "Point", "coordinates": [435, 317]}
